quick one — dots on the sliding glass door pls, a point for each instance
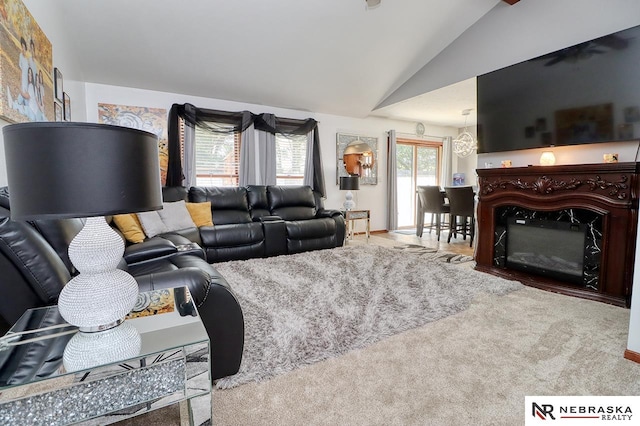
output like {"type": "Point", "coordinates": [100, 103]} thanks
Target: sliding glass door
{"type": "Point", "coordinates": [418, 163]}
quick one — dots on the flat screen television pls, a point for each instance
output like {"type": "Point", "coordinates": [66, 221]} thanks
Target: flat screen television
{"type": "Point", "coordinates": [587, 93]}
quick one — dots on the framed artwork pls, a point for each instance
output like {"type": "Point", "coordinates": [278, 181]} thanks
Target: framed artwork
{"type": "Point", "coordinates": [529, 132]}
{"type": "Point", "coordinates": [58, 111]}
{"type": "Point", "coordinates": [59, 89]}
{"type": "Point", "coordinates": [631, 114]}
{"type": "Point", "coordinates": [625, 131]}
{"type": "Point", "coordinates": [357, 155]}
{"type": "Point", "coordinates": [153, 120]}
{"type": "Point", "coordinates": [26, 92]}
{"type": "Point", "coordinates": [585, 124]}
{"type": "Point", "coordinates": [66, 106]}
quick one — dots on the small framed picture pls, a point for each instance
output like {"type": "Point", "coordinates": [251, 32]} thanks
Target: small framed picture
{"type": "Point", "coordinates": [625, 131]}
{"type": "Point", "coordinates": [66, 106]}
{"type": "Point", "coordinates": [58, 110]}
{"type": "Point", "coordinates": [529, 132]}
{"type": "Point", "coordinates": [57, 83]}
{"type": "Point", "coordinates": [631, 114]}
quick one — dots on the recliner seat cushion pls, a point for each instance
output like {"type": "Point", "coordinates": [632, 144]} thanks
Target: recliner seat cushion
{"type": "Point", "coordinates": [258, 201]}
{"type": "Point", "coordinates": [228, 204]}
{"type": "Point", "coordinates": [39, 263]}
{"type": "Point", "coordinates": [292, 202]}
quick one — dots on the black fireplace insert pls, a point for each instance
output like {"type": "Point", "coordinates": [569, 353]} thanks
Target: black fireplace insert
{"type": "Point", "coordinates": [550, 248]}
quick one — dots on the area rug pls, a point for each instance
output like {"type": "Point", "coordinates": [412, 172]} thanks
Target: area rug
{"type": "Point", "coordinates": [304, 308]}
{"type": "Point", "coordinates": [443, 256]}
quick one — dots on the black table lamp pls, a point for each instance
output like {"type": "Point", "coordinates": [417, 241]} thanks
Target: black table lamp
{"type": "Point", "coordinates": [72, 170]}
{"type": "Point", "coordinates": [349, 183]}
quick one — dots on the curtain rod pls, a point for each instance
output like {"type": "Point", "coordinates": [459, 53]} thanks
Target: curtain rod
{"type": "Point", "coordinates": [419, 136]}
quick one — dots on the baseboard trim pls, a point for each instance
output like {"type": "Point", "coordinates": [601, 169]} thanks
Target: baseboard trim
{"type": "Point", "coordinates": [632, 356]}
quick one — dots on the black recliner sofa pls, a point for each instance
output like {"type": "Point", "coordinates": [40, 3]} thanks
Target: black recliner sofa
{"type": "Point", "coordinates": [34, 266]}
{"type": "Point", "coordinates": [258, 221]}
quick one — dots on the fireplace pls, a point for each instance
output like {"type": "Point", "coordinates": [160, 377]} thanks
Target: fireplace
{"type": "Point", "coordinates": [568, 229]}
{"type": "Point", "coordinates": [548, 248]}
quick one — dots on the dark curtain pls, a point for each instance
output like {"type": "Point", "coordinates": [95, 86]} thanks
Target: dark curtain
{"type": "Point", "coordinates": [230, 122]}
{"type": "Point", "coordinates": [214, 121]}
{"type": "Point", "coordinates": [291, 126]}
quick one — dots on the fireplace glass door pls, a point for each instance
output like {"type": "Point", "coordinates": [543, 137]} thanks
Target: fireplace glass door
{"type": "Point", "coordinates": [549, 248]}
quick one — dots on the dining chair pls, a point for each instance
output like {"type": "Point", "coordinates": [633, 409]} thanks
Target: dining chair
{"type": "Point", "coordinates": [431, 200]}
{"type": "Point", "coordinates": [462, 212]}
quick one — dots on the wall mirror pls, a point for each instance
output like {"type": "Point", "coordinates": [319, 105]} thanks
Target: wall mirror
{"type": "Point", "coordinates": [357, 155]}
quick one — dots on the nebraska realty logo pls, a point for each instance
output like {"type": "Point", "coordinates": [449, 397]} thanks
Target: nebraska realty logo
{"type": "Point", "coordinates": [581, 410]}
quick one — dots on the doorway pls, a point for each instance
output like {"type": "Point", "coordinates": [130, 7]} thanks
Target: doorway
{"type": "Point", "coordinates": [417, 163]}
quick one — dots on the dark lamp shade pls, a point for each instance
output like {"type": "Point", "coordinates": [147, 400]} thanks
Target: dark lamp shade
{"type": "Point", "coordinates": [349, 183]}
{"type": "Point", "coordinates": [65, 170]}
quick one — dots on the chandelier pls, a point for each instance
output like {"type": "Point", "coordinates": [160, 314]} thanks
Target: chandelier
{"type": "Point", "coordinates": [464, 144]}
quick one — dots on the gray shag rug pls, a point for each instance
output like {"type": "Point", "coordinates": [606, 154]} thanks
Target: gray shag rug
{"type": "Point", "coordinates": [304, 308]}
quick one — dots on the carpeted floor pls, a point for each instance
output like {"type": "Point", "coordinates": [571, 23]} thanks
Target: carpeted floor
{"type": "Point", "coordinates": [473, 367]}
{"type": "Point", "coordinates": [303, 308]}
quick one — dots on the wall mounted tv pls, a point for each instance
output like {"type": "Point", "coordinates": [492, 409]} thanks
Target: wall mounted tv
{"type": "Point", "coordinates": [586, 93]}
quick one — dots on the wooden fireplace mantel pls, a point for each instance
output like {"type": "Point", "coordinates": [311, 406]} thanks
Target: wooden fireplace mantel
{"type": "Point", "coordinates": [610, 190]}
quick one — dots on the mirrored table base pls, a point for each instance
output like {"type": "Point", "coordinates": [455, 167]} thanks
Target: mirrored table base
{"type": "Point", "coordinates": [114, 393]}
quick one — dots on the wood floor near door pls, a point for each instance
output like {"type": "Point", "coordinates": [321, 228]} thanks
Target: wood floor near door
{"type": "Point", "coordinates": [457, 245]}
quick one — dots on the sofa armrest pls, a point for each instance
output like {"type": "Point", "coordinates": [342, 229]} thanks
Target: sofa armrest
{"type": "Point", "coordinates": [328, 213]}
{"type": "Point", "coordinates": [151, 249]}
{"type": "Point", "coordinates": [269, 218]}
{"type": "Point", "coordinates": [218, 307]}
{"type": "Point", "coordinates": [275, 235]}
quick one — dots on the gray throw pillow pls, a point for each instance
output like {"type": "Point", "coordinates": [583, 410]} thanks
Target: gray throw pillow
{"type": "Point", "coordinates": [176, 216]}
{"type": "Point", "coordinates": [152, 223]}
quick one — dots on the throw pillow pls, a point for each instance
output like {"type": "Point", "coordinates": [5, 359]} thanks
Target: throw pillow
{"type": "Point", "coordinates": [200, 213]}
{"type": "Point", "coordinates": [152, 223]}
{"type": "Point", "coordinates": [130, 227]}
{"type": "Point", "coordinates": [176, 216]}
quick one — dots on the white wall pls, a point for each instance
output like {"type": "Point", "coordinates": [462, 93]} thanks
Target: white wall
{"type": "Point", "coordinates": [371, 197]}
{"type": "Point", "coordinates": [511, 34]}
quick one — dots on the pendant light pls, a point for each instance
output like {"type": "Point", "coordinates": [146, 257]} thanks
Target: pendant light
{"type": "Point", "coordinates": [464, 144]}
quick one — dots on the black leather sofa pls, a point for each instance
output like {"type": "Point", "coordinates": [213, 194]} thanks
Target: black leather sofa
{"type": "Point", "coordinates": [34, 266]}
{"type": "Point", "coordinates": [259, 221]}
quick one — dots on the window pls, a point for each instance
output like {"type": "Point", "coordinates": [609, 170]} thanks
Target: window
{"type": "Point", "coordinates": [291, 151]}
{"type": "Point", "coordinates": [418, 163]}
{"type": "Point", "coordinates": [217, 158]}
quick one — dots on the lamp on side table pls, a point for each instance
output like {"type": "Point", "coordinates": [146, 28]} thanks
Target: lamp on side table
{"type": "Point", "coordinates": [349, 183]}
{"type": "Point", "coordinates": [70, 170]}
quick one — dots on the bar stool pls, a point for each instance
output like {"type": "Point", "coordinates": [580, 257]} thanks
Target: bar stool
{"type": "Point", "coordinates": [462, 205]}
{"type": "Point", "coordinates": [431, 200]}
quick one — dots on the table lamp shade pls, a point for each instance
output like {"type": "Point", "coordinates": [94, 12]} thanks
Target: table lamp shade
{"type": "Point", "coordinates": [349, 183]}
{"type": "Point", "coordinates": [70, 170]}
{"type": "Point", "coordinates": [65, 170]}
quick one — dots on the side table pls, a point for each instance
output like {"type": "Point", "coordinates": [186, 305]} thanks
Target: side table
{"type": "Point", "coordinates": [350, 216]}
{"type": "Point", "coordinates": [53, 375]}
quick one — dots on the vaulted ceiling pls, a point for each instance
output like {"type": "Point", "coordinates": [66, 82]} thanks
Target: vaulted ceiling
{"type": "Point", "coordinates": [329, 56]}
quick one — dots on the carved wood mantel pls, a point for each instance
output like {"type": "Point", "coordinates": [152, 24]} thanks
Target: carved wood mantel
{"type": "Point", "coordinates": [610, 190]}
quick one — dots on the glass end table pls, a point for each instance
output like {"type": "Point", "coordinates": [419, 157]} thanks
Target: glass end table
{"type": "Point", "coordinates": [51, 374]}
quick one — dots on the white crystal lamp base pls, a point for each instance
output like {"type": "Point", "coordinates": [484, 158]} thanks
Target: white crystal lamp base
{"type": "Point", "coordinates": [87, 350]}
{"type": "Point", "coordinates": [101, 295]}
{"type": "Point", "coordinates": [349, 204]}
